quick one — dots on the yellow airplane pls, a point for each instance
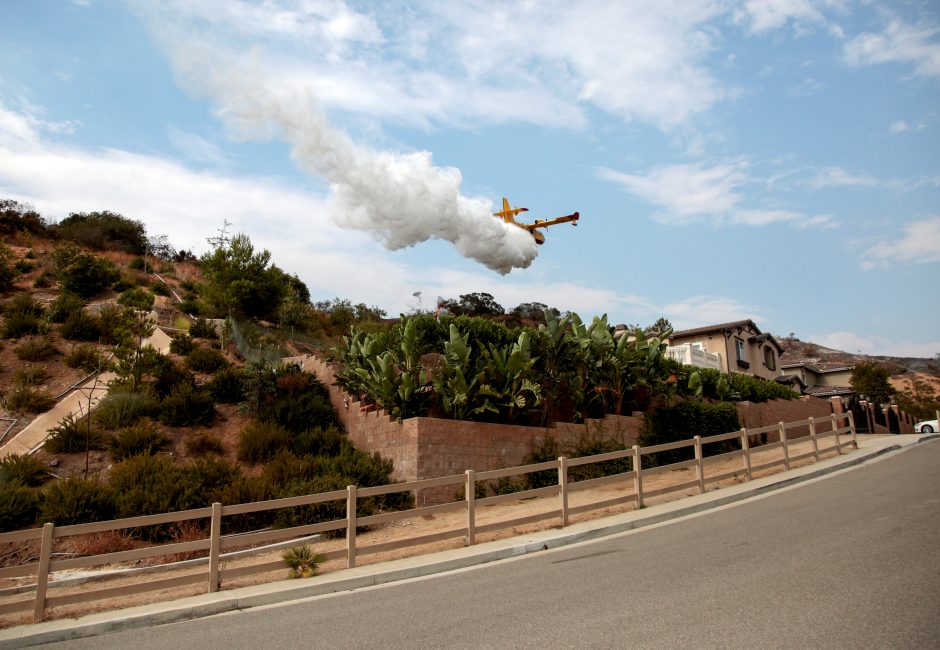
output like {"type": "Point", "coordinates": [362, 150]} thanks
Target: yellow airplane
{"type": "Point", "coordinates": [508, 215]}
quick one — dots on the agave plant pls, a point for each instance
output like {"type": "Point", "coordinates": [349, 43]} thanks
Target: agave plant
{"type": "Point", "coordinates": [302, 561]}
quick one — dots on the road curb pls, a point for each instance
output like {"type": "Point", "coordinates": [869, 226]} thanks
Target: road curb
{"type": "Point", "coordinates": [397, 570]}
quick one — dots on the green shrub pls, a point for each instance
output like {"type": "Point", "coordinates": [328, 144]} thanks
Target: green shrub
{"type": "Point", "coordinates": [190, 305]}
{"type": "Point", "coordinates": [19, 505]}
{"type": "Point", "coordinates": [227, 386]}
{"type": "Point", "coordinates": [16, 326]}
{"type": "Point", "coordinates": [137, 439]}
{"type": "Point", "coordinates": [110, 321]}
{"type": "Point", "coordinates": [182, 345]}
{"type": "Point", "coordinates": [247, 489]}
{"type": "Point", "coordinates": [104, 230]}
{"type": "Point", "coordinates": [81, 326]}
{"type": "Point", "coordinates": [167, 376]}
{"type": "Point", "coordinates": [71, 436]}
{"type": "Point", "coordinates": [739, 387]}
{"type": "Point", "coordinates": [78, 501]}
{"type": "Point", "coordinates": [593, 447]}
{"type": "Point", "coordinates": [683, 421]}
{"type": "Point", "coordinates": [260, 441]}
{"type": "Point", "coordinates": [24, 469]}
{"type": "Point", "coordinates": [28, 399]}
{"type": "Point", "coordinates": [138, 298]}
{"type": "Point", "coordinates": [30, 376]}
{"type": "Point", "coordinates": [24, 305]}
{"type": "Point", "coordinates": [204, 481]}
{"type": "Point", "coordinates": [203, 444]}
{"type": "Point", "coordinates": [298, 402]}
{"type": "Point", "coordinates": [85, 357]}
{"type": "Point", "coordinates": [82, 273]}
{"type": "Point", "coordinates": [23, 266]}
{"type": "Point", "coordinates": [64, 306]}
{"type": "Point", "coordinates": [147, 485]}
{"type": "Point", "coordinates": [136, 264]}
{"type": "Point", "coordinates": [161, 289]}
{"type": "Point", "coordinates": [44, 280]}
{"type": "Point", "coordinates": [187, 406]}
{"type": "Point", "coordinates": [123, 409]}
{"type": "Point", "coordinates": [328, 441]}
{"type": "Point", "coordinates": [285, 468]}
{"type": "Point", "coordinates": [542, 452]}
{"type": "Point", "coordinates": [36, 348]}
{"type": "Point", "coordinates": [124, 283]}
{"type": "Point", "coordinates": [8, 270]}
{"type": "Point", "coordinates": [202, 329]}
{"type": "Point", "coordinates": [206, 360]}
{"type": "Point", "coordinates": [317, 512]}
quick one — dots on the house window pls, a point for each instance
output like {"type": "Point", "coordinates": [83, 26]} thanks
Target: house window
{"type": "Point", "coordinates": [769, 359]}
{"type": "Point", "coordinates": [741, 354]}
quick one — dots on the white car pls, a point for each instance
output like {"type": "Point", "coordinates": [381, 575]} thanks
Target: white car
{"type": "Point", "coordinates": [927, 426]}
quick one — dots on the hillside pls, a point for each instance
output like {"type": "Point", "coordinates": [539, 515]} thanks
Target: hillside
{"type": "Point", "coordinates": [797, 350]}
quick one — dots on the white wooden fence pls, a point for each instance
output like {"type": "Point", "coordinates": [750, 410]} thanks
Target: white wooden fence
{"type": "Point", "coordinates": [216, 543]}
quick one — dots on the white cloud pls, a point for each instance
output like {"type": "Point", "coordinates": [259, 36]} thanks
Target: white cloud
{"type": "Point", "coordinates": [484, 62]}
{"type": "Point", "coordinates": [899, 127]}
{"type": "Point", "coordinates": [837, 177]}
{"type": "Point", "coordinates": [919, 243]}
{"type": "Point", "coordinates": [196, 148]}
{"type": "Point", "coordinates": [702, 310]}
{"type": "Point", "coordinates": [24, 127]}
{"type": "Point", "coordinates": [898, 43]}
{"type": "Point", "coordinates": [808, 86]}
{"type": "Point", "coordinates": [855, 343]}
{"type": "Point", "coordinates": [698, 192]}
{"type": "Point", "coordinates": [687, 191]}
{"type": "Point", "coordinates": [903, 126]}
{"type": "Point", "coordinates": [765, 15]}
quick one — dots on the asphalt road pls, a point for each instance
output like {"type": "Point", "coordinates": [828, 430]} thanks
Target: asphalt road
{"type": "Point", "coordinates": [848, 561]}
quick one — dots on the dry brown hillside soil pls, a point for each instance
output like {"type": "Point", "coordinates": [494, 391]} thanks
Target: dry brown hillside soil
{"type": "Point", "coordinates": [905, 381]}
{"type": "Point", "coordinates": [406, 529]}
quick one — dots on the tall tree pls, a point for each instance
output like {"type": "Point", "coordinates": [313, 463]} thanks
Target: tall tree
{"type": "Point", "coordinates": [870, 381]}
{"type": "Point", "coordinates": [242, 282]}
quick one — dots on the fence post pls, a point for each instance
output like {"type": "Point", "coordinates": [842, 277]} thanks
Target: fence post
{"type": "Point", "coordinates": [835, 432]}
{"type": "Point", "coordinates": [637, 479]}
{"type": "Point", "coordinates": [351, 526]}
{"type": "Point", "coordinates": [470, 492]}
{"type": "Point", "coordinates": [746, 446]}
{"type": "Point", "coordinates": [783, 438]}
{"type": "Point", "coordinates": [699, 466]}
{"type": "Point", "coordinates": [215, 546]}
{"type": "Point", "coordinates": [42, 575]}
{"type": "Point", "coordinates": [563, 488]}
{"type": "Point", "coordinates": [852, 428]}
{"type": "Point", "coordinates": [812, 437]}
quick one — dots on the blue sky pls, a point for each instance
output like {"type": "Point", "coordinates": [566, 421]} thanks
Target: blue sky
{"type": "Point", "coordinates": [776, 160]}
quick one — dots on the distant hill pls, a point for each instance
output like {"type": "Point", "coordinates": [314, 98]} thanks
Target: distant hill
{"type": "Point", "coordinates": [797, 350]}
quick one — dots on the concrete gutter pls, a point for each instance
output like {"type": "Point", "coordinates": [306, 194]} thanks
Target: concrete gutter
{"type": "Point", "coordinates": [870, 448]}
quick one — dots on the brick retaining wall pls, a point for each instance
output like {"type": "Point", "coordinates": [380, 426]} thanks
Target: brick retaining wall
{"type": "Point", "coordinates": [423, 448]}
{"type": "Point", "coordinates": [763, 414]}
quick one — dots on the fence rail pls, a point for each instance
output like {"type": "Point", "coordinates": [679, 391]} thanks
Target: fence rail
{"type": "Point", "coordinates": [753, 458]}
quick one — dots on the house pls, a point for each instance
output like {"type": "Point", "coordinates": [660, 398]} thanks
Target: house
{"type": "Point", "coordinates": [740, 347]}
{"type": "Point", "coordinates": [817, 377]}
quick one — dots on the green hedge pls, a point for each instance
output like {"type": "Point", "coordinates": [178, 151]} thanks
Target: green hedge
{"type": "Point", "coordinates": [683, 421]}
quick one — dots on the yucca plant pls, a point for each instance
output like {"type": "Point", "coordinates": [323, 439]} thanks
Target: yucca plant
{"type": "Point", "coordinates": [302, 561]}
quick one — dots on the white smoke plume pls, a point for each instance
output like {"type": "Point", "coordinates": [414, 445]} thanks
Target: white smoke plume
{"type": "Point", "coordinates": [402, 199]}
